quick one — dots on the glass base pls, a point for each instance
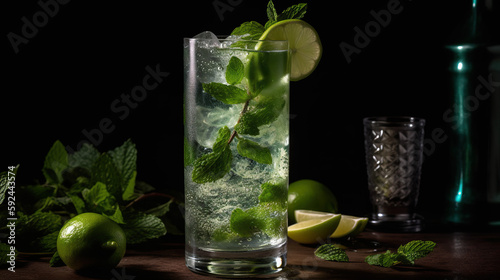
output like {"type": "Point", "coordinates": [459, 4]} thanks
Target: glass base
{"type": "Point", "coordinates": [397, 224]}
{"type": "Point", "coordinates": [236, 264]}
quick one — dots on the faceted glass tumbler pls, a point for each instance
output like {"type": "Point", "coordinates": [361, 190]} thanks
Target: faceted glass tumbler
{"type": "Point", "coordinates": [394, 155]}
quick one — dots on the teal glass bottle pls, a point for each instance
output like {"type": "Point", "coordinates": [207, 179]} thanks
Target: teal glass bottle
{"type": "Point", "coordinates": [473, 118]}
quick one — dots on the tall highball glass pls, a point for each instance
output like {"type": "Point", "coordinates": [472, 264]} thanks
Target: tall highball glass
{"type": "Point", "coordinates": [236, 138]}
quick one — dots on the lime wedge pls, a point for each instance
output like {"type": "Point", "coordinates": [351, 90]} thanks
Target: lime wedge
{"type": "Point", "coordinates": [305, 215]}
{"type": "Point", "coordinates": [303, 42]}
{"type": "Point", "coordinates": [315, 230]}
{"type": "Point", "coordinates": [350, 226]}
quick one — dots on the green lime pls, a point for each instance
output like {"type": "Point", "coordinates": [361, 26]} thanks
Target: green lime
{"type": "Point", "coordinates": [304, 43]}
{"type": "Point", "coordinates": [315, 230]}
{"type": "Point", "coordinates": [310, 195]}
{"type": "Point", "coordinates": [90, 241]}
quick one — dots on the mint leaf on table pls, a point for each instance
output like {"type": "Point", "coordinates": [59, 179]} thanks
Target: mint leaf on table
{"type": "Point", "coordinates": [416, 249]}
{"type": "Point", "coordinates": [55, 162]}
{"type": "Point", "coordinates": [254, 151]}
{"type": "Point", "coordinates": [330, 252]}
{"type": "Point", "coordinates": [387, 259]}
{"type": "Point", "coordinates": [406, 254]}
{"type": "Point", "coordinates": [227, 94]}
{"type": "Point", "coordinates": [213, 166]}
{"type": "Point", "coordinates": [234, 71]}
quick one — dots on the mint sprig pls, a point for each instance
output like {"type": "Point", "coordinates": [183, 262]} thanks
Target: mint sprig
{"type": "Point", "coordinates": [254, 30]}
{"type": "Point", "coordinates": [405, 255]}
{"type": "Point", "coordinates": [216, 164]}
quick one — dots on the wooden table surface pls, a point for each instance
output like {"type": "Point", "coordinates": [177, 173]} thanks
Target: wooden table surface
{"type": "Point", "coordinates": [458, 255]}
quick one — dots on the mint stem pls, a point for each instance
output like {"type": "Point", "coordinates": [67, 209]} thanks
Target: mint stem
{"type": "Point", "coordinates": [243, 111]}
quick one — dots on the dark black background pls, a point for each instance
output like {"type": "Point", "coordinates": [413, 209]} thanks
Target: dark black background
{"type": "Point", "coordinates": [64, 80]}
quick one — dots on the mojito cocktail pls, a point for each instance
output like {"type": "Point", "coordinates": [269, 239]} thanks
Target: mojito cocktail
{"type": "Point", "coordinates": [236, 107]}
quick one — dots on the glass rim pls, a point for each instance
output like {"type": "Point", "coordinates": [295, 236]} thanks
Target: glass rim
{"type": "Point", "coordinates": [241, 44]}
{"type": "Point", "coordinates": [224, 38]}
{"type": "Point", "coordinates": [395, 121]}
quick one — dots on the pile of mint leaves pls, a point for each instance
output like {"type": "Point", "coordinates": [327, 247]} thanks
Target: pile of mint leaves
{"type": "Point", "coordinates": [89, 181]}
{"type": "Point", "coordinates": [405, 255]}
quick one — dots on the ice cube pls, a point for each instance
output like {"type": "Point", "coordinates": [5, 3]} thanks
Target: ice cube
{"type": "Point", "coordinates": [231, 39]}
{"type": "Point", "coordinates": [210, 39]}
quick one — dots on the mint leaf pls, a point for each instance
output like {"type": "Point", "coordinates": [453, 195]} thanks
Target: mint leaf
{"type": "Point", "coordinates": [129, 191]}
{"type": "Point", "coordinates": [4, 251]}
{"type": "Point", "coordinates": [330, 252]}
{"type": "Point", "coordinates": [125, 161]}
{"type": "Point", "coordinates": [244, 223]}
{"type": "Point", "coordinates": [99, 200]}
{"type": "Point", "coordinates": [36, 231]}
{"type": "Point", "coordinates": [293, 12]}
{"type": "Point", "coordinates": [84, 157]}
{"type": "Point", "coordinates": [254, 151]}
{"type": "Point", "coordinates": [227, 94]}
{"type": "Point", "coordinates": [213, 166]}
{"type": "Point", "coordinates": [406, 254]}
{"type": "Point", "coordinates": [55, 162]}
{"type": "Point", "coordinates": [234, 71]}
{"type": "Point", "coordinates": [252, 29]}
{"type": "Point", "coordinates": [3, 185]}
{"type": "Point", "coordinates": [264, 112]}
{"type": "Point", "coordinates": [387, 259]}
{"type": "Point", "coordinates": [78, 203]}
{"type": "Point", "coordinates": [274, 192]}
{"type": "Point", "coordinates": [105, 171]}
{"type": "Point", "coordinates": [268, 215]}
{"type": "Point", "coordinates": [140, 227]}
{"type": "Point", "coordinates": [272, 16]}
{"type": "Point", "coordinates": [416, 249]}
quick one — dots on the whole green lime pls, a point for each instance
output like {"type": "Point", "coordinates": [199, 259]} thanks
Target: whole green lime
{"type": "Point", "coordinates": [310, 195]}
{"type": "Point", "coordinates": [91, 241]}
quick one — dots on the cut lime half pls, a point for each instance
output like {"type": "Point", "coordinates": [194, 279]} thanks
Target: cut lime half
{"type": "Point", "coordinates": [304, 44]}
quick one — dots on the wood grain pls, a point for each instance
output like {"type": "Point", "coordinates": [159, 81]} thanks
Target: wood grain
{"type": "Point", "coordinates": [457, 256]}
